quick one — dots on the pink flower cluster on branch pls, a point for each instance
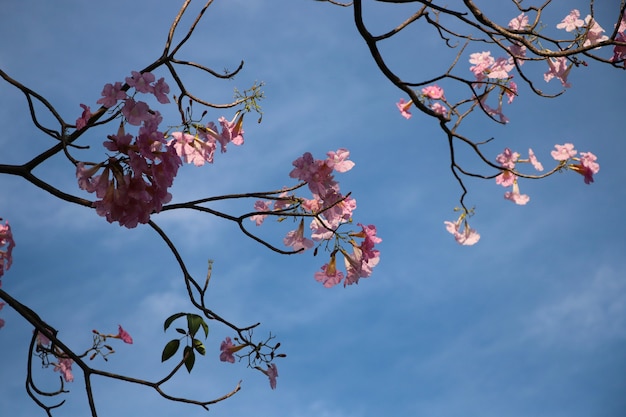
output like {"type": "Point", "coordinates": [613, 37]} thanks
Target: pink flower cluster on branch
{"type": "Point", "coordinates": [134, 182]}
{"type": "Point", "coordinates": [6, 254]}
{"type": "Point", "coordinates": [330, 210]}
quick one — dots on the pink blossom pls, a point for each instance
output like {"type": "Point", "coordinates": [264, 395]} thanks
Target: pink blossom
{"type": "Point", "coordinates": [519, 23]}
{"type": "Point", "coordinates": [296, 239]}
{"type": "Point", "coordinates": [64, 366]}
{"type": "Point", "coordinates": [329, 276]}
{"type": "Point", "coordinates": [272, 374]}
{"type": "Point", "coordinates": [433, 92]}
{"type": "Point", "coordinates": [192, 149]}
{"type": "Point", "coordinates": [439, 109]}
{"type": "Point", "coordinates": [494, 112]}
{"type": "Point", "coordinates": [482, 61]}
{"type": "Point", "coordinates": [533, 160]}
{"type": "Point", "coordinates": [226, 351]}
{"type": "Point", "coordinates": [261, 206]}
{"type": "Point", "coordinates": [161, 89]}
{"type": "Point", "coordinates": [232, 131]}
{"type": "Point", "coordinates": [123, 334]}
{"type": "Point", "coordinates": [42, 340]}
{"type": "Point", "coordinates": [500, 68]}
{"type": "Point", "coordinates": [506, 178]}
{"type": "Point", "coordinates": [587, 167]}
{"type": "Point", "coordinates": [511, 93]}
{"type": "Point", "coordinates": [338, 161]}
{"type": "Point", "coordinates": [111, 93]}
{"type": "Point", "coordinates": [563, 152]}
{"type": "Point", "coordinates": [507, 158]}
{"type": "Point", "coordinates": [404, 106]}
{"type": "Point", "coordinates": [6, 247]}
{"type": "Point", "coordinates": [141, 82]}
{"type": "Point", "coordinates": [518, 51]}
{"type": "Point", "coordinates": [135, 111]}
{"type": "Point", "coordinates": [594, 33]}
{"type": "Point", "coordinates": [571, 22]}
{"type": "Point", "coordinates": [515, 195]}
{"type": "Point", "coordinates": [467, 236]}
{"type": "Point", "coordinates": [619, 52]}
{"type": "Point", "coordinates": [84, 118]}
{"type": "Point", "coordinates": [558, 68]}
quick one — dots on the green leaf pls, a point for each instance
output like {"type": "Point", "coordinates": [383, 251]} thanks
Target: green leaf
{"type": "Point", "coordinates": [205, 327]}
{"type": "Point", "coordinates": [193, 322]}
{"type": "Point", "coordinates": [170, 319]}
{"type": "Point", "coordinates": [191, 358]}
{"type": "Point", "coordinates": [170, 349]}
{"type": "Point", "coordinates": [199, 347]}
{"type": "Point", "coordinates": [181, 331]}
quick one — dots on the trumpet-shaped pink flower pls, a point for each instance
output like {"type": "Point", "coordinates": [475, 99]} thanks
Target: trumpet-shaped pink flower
{"type": "Point", "coordinates": [261, 206]}
{"type": "Point", "coordinates": [594, 33]}
{"type": "Point", "coordinates": [226, 351]}
{"type": "Point", "coordinates": [192, 149]}
{"type": "Point", "coordinates": [338, 161]}
{"type": "Point", "coordinates": [84, 118]}
{"type": "Point", "coordinates": [160, 90]}
{"type": "Point", "coordinates": [482, 61]}
{"type": "Point", "coordinates": [571, 22]}
{"type": "Point", "coordinates": [111, 93]}
{"type": "Point", "coordinates": [64, 366]}
{"type": "Point", "coordinates": [439, 108]}
{"type": "Point", "coordinates": [123, 334]}
{"type": "Point", "coordinates": [404, 106]}
{"type": "Point", "coordinates": [587, 167]}
{"type": "Point", "coordinates": [141, 82]}
{"type": "Point", "coordinates": [329, 276]}
{"type": "Point", "coordinates": [515, 196]}
{"type": "Point", "coordinates": [433, 92]}
{"type": "Point", "coordinates": [519, 23]}
{"type": "Point", "coordinates": [557, 67]}
{"type": "Point", "coordinates": [507, 158]}
{"type": "Point", "coordinates": [563, 152]}
{"type": "Point", "coordinates": [6, 247]}
{"type": "Point", "coordinates": [463, 235]}
{"type": "Point", "coordinates": [272, 374]}
{"type": "Point", "coordinates": [296, 239]}
{"type": "Point", "coordinates": [533, 160]}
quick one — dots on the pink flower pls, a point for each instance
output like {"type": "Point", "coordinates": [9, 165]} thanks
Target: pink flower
{"type": "Point", "coordinates": [433, 92]}
{"type": "Point", "coordinates": [558, 68]}
{"type": "Point", "coordinates": [439, 109]}
{"type": "Point", "coordinates": [594, 33]}
{"type": "Point", "coordinates": [619, 52]}
{"type": "Point", "coordinates": [404, 106]}
{"type": "Point", "coordinates": [511, 93]}
{"type": "Point", "coordinates": [587, 167]}
{"type": "Point", "coordinates": [123, 334]}
{"type": "Point", "coordinates": [6, 247]}
{"type": "Point", "coordinates": [519, 22]}
{"type": "Point", "coordinates": [329, 276]}
{"type": "Point", "coordinates": [64, 366]}
{"type": "Point", "coordinates": [482, 61]}
{"type": "Point", "coordinates": [563, 152]}
{"type": "Point", "coordinates": [261, 206]}
{"type": "Point", "coordinates": [515, 195]}
{"type": "Point", "coordinates": [135, 111]}
{"type": "Point", "coordinates": [226, 351]}
{"type": "Point", "coordinates": [111, 94]}
{"type": "Point", "coordinates": [272, 374]}
{"type": "Point", "coordinates": [518, 51]}
{"type": "Point", "coordinates": [507, 158]}
{"type": "Point", "coordinates": [467, 236]}
{"type": "Point", "coordinates": [500, 68]}
{"type": "Point", "coordinates": [533, 160]}
{"type": "Point", "coordinates": [338, 161]}
{"type": "Point", "coordinates": [192, 149]}
{"type": "Point", "coordinates": [506, 178]}
{"type": "Point", "coordinates": [84, 118]}
{"type": "Point", "coordinates": [571, 22]}
{"type": "Point", "coordinates": [141, 82]}
{"type": "Point", "coordinates": [296, 239]}
{"type": "Point", "coordinates": [161, 89]}
{"type": "Point", "coordinates": [232, 131]}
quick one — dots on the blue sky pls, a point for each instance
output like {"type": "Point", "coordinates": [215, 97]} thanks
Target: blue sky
{"type": "Point", "coordinates": [529, 322]}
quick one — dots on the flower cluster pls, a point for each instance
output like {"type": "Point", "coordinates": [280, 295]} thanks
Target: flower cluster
{"type": "Point", "coordinates": [200, 147]}
{"type": "Point", "coordinates": [6, 254]}
{"type": "Point", "coordinates": [133, 183]}
{"type": "Point", "coordinates": [507, 178]}
{"type": "Point", "coordinates": [585, 165]}
{"type": "Point", "coordinates": [330, 210]}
